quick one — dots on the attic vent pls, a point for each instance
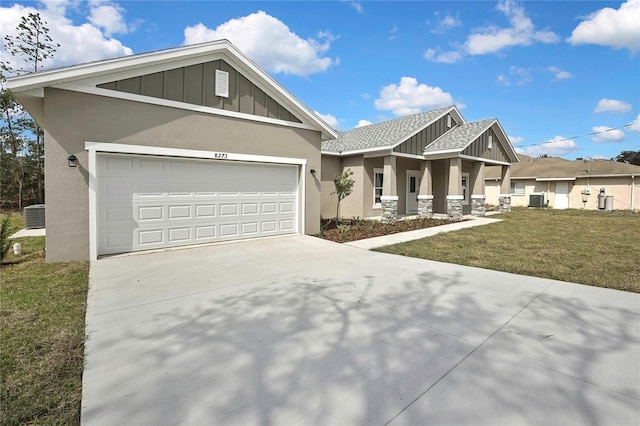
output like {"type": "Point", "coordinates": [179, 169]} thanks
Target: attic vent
{"type": "Point", "coordinates": [222, 83]}
{"type": "Point", "coordinates": [34, 216]}
{"type": "Point", "coordinates": [448, 121]}
{"type": "Point", "coordinates": [490, 142]}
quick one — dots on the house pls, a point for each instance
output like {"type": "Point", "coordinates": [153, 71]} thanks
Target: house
{"type": "Point", "coordinates": [563, 184]}
{"type": "Point", "coordinates": [425, 163]}
{"type": "Point", "coordinates": [176, 147]}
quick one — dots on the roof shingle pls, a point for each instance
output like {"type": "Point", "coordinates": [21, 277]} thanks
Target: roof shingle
{"type": "Point", "coordinates": [383, 135]}
{"type": "Point", "coordinates": [559, 168]}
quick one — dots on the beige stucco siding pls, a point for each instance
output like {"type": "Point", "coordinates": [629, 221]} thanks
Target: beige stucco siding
{"type": "Point", "coordinates": [618, 187]}
{"type": "Point", "coordinates": [71, 119]}
{"type": "Point", "coordinates": [331, 166]}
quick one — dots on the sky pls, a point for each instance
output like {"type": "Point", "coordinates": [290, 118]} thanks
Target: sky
{"type": "Point", "coordinates": [562, 77]}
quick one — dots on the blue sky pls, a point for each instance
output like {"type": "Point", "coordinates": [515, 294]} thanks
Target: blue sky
{"type": "Point", "coordinates": [550, 71]}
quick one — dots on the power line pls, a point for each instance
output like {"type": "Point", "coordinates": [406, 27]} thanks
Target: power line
{"type": "Point", "coordinates": [576, 137]}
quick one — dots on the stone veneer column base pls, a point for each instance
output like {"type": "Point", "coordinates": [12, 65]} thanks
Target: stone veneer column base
{"type": "Point", "coordinates": [504, 202]}
{"type": "Point", "coordinates": [454, 207]}
{"type": "Point", "coordinates": [478, 205]}
{"type": "Point", "coordinates": [425, 206]}
{"type": "Point", "coordinates": [389, 204]}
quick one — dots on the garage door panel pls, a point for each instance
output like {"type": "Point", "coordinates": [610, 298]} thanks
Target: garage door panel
{"type": "Point", "coordinates": [154, 202]}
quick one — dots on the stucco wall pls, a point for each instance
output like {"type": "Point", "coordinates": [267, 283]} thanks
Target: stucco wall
{"type": "Point", "coordinates": [619, 187]}
{"type": "Point", "coordinates": [331, 166]}
{"type": "Point", "coordinates": [72, 118]}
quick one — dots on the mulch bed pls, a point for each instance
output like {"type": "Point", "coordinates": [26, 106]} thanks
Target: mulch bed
{"type": "Point", "coordinates": [359, 229]}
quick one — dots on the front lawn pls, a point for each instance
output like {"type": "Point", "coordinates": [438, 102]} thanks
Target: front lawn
{"type": "Point", "coordinates": [589, 247]}
{"type": "Point", "coordinates": [42, 311]}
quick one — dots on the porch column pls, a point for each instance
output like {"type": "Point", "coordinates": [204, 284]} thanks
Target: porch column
{"type": "Point", "coordinates": [425, 195]}
{"type": "Point", "coordinates": [478, 196]}
{"type": "Point", "coordinates": [389, 198]}
{"type": "Point", "coordinates": [455, 198]}
{"type": "Point", "coordinates": [504, 199]}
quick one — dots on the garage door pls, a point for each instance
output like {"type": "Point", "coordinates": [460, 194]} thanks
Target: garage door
{"type": "Point", "coordinates": [146, 202]}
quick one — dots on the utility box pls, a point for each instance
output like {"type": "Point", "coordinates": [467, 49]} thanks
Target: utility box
{"type": "Point", "coordinates": [34, 216]}
{"type": "Point", "coordinates": [608, 203]}
{"type": "Point", "coordinates": [601, 199]}
{"type": "Point", "coordinates": [536, 200]}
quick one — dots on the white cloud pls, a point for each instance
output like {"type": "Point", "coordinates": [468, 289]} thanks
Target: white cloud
{"type": "Point", "coordinates": [270, 43]}
{"type": "Point", "coordinates": [559, 74]}
{"type": "Point", "coordinates": [410, 97]}
{"type": "Point", "coordinates": [617, 28]}
{"type": "Point", "coordinates": [517, 76]}
{"type": "Point", "coordinates": [521, 32]}
{"type": "Point", "coordinates": [612, 105]}
{"type": "Point", "coordinates": [446, 23]}
{"type": "Point", "coordinates": [448, 57]}
{"type": "Point", "coordinates": [392, 32]}
{"type": "Point", "coordinates": [554, 147]}
{"type": "Point", "coordinates": [328, 118]}
{"type": "Point", "coordinates": [363, 123]}
{"type": "Point", "coordinates": [357, 6]}
{"type": "Point", "coordinates": [78, 43]}
{"type": "Point", "coordinates": [607, 135]}
{"type": "Point", "coordinates": [515, 140]}
{"type": "Point", "coordinates": [635, 124]}
{"type": "Point", "coordinates": [108, 17]}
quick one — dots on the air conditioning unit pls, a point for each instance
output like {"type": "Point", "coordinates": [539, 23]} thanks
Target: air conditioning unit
{"type": "Point", "coordinates": [34, 216]}
{"type": "Point", "coordinates": [536, 200]}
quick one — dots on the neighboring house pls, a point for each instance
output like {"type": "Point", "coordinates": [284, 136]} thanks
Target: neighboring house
{"type": "Point", "coordinates": [176, 147]}
{"type": "Point", "coordinates": [431, 162]}
{"type": "Point", "coordinates": [565, 184]}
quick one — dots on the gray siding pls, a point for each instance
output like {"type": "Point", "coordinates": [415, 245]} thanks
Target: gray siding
{"type": "Point", "coordinates": [479, 148]}
{"type": "Point", "coordinates": [195, 85]}
{"type": "Point", "coordinates": [415, 145]}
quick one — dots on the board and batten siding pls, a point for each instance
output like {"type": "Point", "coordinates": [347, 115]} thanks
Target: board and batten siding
{"type": "Point", "coordinates": [195, 85]}
{"type": "Point", "coordinates": [480, 148]}
{"type": "Point", "coordinates": [416, 144]}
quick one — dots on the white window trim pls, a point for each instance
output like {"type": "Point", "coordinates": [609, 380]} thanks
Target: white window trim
{"type": "Point", "coordinates": [515, 189]}
{"type": "Point", "coordinates": [380, 171]}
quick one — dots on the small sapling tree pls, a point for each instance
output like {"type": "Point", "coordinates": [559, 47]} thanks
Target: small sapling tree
{"type": "Point", "coordinates": [344, 187]}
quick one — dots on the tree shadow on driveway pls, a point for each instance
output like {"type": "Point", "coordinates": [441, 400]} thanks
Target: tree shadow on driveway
{"type": "Point", "coordinates": [418, 343]}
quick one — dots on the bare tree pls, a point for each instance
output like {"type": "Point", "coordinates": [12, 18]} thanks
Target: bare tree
{"type": "Point", "coordinates": [32, 45]}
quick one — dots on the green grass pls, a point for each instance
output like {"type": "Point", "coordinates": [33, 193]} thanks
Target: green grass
{"type": "Point", "coordinates": [588, 247]}
{"type": "Point", "coordinates": [42, 337]}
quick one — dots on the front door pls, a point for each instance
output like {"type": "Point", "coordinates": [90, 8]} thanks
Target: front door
{"type": "Point", "coordinates": [413, 187]}
{"type": "Point", "coordinates": [562, 195]}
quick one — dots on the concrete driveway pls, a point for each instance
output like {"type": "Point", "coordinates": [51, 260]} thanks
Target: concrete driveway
{"type": "Point", "coordinates": [297, 330]}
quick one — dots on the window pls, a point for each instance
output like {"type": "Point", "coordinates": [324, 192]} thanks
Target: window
{"type": "Point", "coordinates": [517, 188]}
{"type": "Point", "coordinates": [465, 189]}
{"type": "Point", "coordinates": [377, 186]}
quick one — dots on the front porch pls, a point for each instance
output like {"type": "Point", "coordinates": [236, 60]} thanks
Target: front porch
{"type": "Point", "coordinates": [449, 187]}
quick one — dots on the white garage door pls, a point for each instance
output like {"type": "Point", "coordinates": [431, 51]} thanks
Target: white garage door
{"type": "Point", "coordinates": [146, 202]}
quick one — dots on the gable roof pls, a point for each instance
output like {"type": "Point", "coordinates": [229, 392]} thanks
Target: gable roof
{"type": "Point", "coordinates": [85, 77]}
{"type": "Point", "coordinates": [387, 134]}
{"type": "Point", "coordinates": [554, 168]}
{"type": "Point", "coordinates": [460, 137]}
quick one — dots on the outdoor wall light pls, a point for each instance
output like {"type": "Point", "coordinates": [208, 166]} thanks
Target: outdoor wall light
{"type": "Point", "coordinates": [313, 172]}
{"type": "Point", "coordinates": [73, 161]}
